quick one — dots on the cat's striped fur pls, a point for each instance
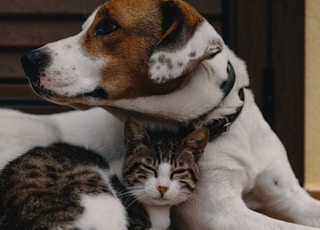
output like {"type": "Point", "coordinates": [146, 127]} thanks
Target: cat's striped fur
{"type": "Point", "coordinates": [43, 188]}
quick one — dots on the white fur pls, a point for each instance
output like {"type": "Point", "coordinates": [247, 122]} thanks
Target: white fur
{"type": "Point", "coordinates": [102, 212]}
{"type": "Point", "coordinates": [157, 206]}
{"type": "Point", "coordinates": [69, 59]}
{"type": "Point", "coordinates": [20, 132]}
{"type": "Point", "coordinates": [151, 193]}
{"type": "Point", "coordinates": [243, 170]}
{"type": "Point", "coordinates": [202, 42]}
{"type": "Point", "coordinates": [159, 217]}
{"type": "Point", "coordinates": [92, 129]}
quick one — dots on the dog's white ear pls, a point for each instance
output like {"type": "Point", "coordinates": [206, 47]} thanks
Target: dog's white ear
{"type": "Point", "coordinates": [187, 40]}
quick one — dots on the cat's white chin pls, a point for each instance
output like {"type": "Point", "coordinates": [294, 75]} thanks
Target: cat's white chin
{"type": "Point", "coordinates": [161, 201]}
{"type": "Point", "coordinates": [157, 201]}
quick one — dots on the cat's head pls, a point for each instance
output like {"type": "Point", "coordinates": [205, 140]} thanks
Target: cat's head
{"type": "Point", "coordinates": [161, 170]}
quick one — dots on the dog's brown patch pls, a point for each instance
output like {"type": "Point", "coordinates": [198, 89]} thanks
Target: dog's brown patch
{"type": "Point", "coordinates": [142, 26]}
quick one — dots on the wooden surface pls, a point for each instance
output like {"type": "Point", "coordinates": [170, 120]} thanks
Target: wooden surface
{"type": "Point", "coordinates": [48, 7]}
{"type": "Point", "coordinates": [315, 195]}
{"type": "Point", "coordinates": [288, 59]}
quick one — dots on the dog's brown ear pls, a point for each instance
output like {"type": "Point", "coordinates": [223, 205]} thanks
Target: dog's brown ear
{"type": "Point", "coordinates": [187, 40]}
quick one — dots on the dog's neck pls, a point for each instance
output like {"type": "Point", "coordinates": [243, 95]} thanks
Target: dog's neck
{"type": "Point", "coordinates": [211, 98]}
{"type": "Point", "coordinates": [219, 126]}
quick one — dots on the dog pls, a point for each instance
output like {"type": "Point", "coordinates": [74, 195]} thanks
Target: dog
{"type": "Point", "coordinates": [162, 63]}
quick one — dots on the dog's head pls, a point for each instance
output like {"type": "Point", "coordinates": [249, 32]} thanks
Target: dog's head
{"type": "Point", "coordinates": [127, 49]}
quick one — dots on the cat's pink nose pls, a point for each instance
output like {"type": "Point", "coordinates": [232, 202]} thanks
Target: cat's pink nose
{"type": "Point", "coordinates": [162, 189]}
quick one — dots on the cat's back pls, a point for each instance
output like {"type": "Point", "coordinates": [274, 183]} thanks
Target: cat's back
{"type": "Point", "coordinates": [59, 187]}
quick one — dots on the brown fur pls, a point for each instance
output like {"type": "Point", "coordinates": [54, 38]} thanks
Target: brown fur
{"type": "Point", "coordinates": [139, 34]}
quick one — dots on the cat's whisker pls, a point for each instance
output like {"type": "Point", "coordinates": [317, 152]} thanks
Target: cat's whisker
{"type": "Point", "coordinates": [133, 201]}
{"type": "Point", "coordinates": [192, 198]}
{"type": "Point", "coordinates": [125, 195]}
{"type": "Point", "coordinates": [136, 199]}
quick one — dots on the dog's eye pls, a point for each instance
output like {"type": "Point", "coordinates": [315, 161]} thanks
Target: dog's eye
{"type": "Point", "coordinates": [105, 27]}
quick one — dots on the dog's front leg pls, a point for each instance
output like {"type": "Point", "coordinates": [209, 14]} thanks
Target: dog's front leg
{"type": "Point", "coordinates": [219, 205]}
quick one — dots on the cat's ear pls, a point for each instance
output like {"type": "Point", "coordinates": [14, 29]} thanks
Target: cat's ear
{"type": "Point", "coordinates": [134, 133]}
{"type": "Point", "coordinates": [197, 141]}
{"type": "Point", "coordinates": [186, 41]}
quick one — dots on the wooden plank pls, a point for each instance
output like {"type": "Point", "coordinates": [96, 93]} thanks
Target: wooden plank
{"type": "Point", "coordinates": [34, 109]}
{"type": "Point", "coordinates": [16, 91]}
{"type": "Point", "coordinates": [288, 61]}
{"type": "Point", "coordinates": [10, 66]}
{"type": "Point", "coordinates": [315, 194]}
{"type": "Point", "coordinates": [36, 32]}
{"type": "Point", "coordinates": [21, 97]}
{"type": "Point", "coordinates": [79, 7]}
{"type": "Point", "coordinates": [249, 38]}
{"type": "Point", "coordinates": [212, 7]}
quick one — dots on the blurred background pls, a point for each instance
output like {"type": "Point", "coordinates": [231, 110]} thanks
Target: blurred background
{"type": "Point", "coordinates": [268, 34]}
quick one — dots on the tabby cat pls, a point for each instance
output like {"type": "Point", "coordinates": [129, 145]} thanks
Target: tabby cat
{"type": "Point", "coordinates": [59, 187]}
{"type": "Point", "coordinates": [68, 187]}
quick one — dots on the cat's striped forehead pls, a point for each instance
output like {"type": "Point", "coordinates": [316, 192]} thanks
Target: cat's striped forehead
{"type": "Point", "coordinates": [166, 150]}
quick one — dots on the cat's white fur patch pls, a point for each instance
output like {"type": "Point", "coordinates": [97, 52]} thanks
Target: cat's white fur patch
{"type": "Point", "coordinates": [159, 217]}
{"type": "Point", "coordinates": [164, 175]}
{"type": "Point", "coordinates": [102, 212]}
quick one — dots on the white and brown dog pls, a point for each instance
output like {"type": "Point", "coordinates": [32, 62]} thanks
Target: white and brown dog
{"type": "Point", "coordinates": [161, 62]}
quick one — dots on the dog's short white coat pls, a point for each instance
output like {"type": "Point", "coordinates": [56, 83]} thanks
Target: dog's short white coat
{"type": "Point", "coordinates": [20, 132]}
{"type": "Point", "coordinates": [243, 170]}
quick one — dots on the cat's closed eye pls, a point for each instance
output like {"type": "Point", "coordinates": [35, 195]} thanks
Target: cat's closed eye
{"type": "Point", "coordinates": [177, 173]}
{"type": "Point", "coordinates": [142, 176]}
{"type": "Point", "coordinates": [150, 170]}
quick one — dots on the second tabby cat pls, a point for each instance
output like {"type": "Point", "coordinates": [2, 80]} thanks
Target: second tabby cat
{"type": "Point", "coordinates": [68, 187]}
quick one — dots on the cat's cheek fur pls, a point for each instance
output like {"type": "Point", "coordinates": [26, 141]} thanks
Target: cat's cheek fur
{"type": "Point", "coordinates": [102, 212]}
{"type": "Point", "coordinates": [173, 194]}
{"type": "Point", "coordinates": [150, 188]}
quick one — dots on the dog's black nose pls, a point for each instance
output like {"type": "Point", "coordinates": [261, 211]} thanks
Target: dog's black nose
{"type": "Point", "coordinates": [34, 63]}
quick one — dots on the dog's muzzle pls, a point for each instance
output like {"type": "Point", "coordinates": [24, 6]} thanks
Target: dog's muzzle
{"type": "Point", "coordinates": [35, 62]}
